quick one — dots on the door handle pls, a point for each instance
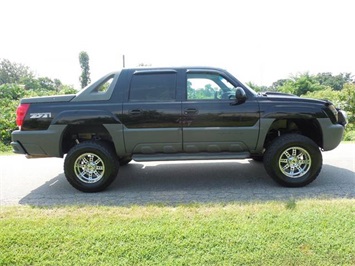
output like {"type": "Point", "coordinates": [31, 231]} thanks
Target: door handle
{"type": "Point", "coordinates": [190, 111]}
{"type": "Point", "coordinates": [135, 112]}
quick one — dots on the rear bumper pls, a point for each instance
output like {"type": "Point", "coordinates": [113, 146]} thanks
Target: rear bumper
{"type": "Point", "coordinates": [17, 148]}
{"type": "Point", "coordinates": [44, 143]}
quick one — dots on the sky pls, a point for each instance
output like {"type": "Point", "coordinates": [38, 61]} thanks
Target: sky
{"type": "Point", "coordinates": [255, 40]}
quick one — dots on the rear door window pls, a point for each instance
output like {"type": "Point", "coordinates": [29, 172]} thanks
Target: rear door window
{"type": "Point", "coordinates": [153, 87]}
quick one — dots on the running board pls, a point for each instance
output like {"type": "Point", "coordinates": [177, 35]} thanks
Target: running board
{"type": "Point", "coordinates": [189, 156]}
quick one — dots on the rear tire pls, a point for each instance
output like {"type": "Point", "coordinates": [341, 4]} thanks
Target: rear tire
{"type": "Point", "coordinates": [91, 166]}
{"type": "Point", "coordinates": [258, 158]}
{"type": "Point", "coordinates": [293, 160]}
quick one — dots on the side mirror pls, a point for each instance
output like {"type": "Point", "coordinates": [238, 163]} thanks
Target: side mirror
{"type": "Point", "coordinates": [240, 96]}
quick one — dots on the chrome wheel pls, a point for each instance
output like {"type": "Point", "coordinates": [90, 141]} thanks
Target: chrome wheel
{"type": "Point", "coordinates": [295, 162]}
{"type": "Point", "coordinates": [89, 168]}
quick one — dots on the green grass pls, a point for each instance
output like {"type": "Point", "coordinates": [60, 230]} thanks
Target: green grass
{"type": "Point", "coordinates": [307, 232]}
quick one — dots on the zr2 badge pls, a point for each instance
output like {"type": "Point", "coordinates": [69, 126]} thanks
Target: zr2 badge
{"type": "Point", "coordinates": [40, 115]}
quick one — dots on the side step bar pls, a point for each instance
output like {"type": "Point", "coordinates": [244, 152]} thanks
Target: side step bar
{"type": "Point", "coordinates": [189, 156]}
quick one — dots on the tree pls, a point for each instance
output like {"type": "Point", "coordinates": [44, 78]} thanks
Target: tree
{"type": "Point", "coordinates": [10, 94]}
{"type": "Point", "coordinates": [13, 73]}
{"type": "Point", "coordinates": [42, 84]}
{"type": "Point", "coordinates": [279, 83]}
{"type": "Point", "coordinates": [85, 69]}
{"type": "Point", "coordinates": [327, 94]}
{"type": "Point", "coordinates": [258, 88]}
{"type": "Point", "coordinates": [57, 84]}
{"type": "Point", "coordinates": [335, 82]}
{"type": "Point", "coordinates": [301, 84]}
{"type": "Point", "coordinates": [347, 96]}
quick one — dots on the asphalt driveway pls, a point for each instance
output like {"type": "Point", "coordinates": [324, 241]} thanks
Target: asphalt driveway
{"type": "Point", "coordinates": [41, 182]}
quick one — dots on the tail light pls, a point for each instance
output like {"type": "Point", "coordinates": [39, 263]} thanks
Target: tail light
{"type": "Point", "coordinates": [21, 113]}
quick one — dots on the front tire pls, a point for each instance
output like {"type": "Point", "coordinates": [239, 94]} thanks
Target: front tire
{"type": "Point", "coordinates": [293, 160]}
{"type": "Point", "coordinates": [91, 166]}
{"type": "Point", "coordinates": [124, 160]}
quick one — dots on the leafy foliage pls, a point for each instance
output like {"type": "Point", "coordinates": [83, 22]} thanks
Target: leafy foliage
{"type": "Point", "coordinates": [14, 72]}
{"type": "Point", "coordinates": [258, 88]}
{"type": "Point", "coordinates": [9, 97]}
{"type": "Point", "coordinates": [347, 99]}
{"type": "Point", "coordinates": [304, 82]}
{"type": "Point", "coordinates": [335, 82]}
{"type": "Point", "coordinates": [301, 84]}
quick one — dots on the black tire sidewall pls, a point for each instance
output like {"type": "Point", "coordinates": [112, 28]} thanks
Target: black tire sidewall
{"type": "Point", "coordinates": [125, 160]}
{"type": "Point", "coordinates": [103, 151]}
{"type": "Point", "coordinates": [272, 155]}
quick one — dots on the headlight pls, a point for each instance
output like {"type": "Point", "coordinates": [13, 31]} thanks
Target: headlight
{"type": "Point", "coordinates": [334, 110]}
{"type": "Point", "coordinates": [342, 117]}
{"type": "Point", "coordinates": [337, 116]}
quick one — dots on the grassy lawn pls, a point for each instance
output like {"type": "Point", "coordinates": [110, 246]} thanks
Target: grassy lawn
{"type": "Point", "coordinates": [307, 232]}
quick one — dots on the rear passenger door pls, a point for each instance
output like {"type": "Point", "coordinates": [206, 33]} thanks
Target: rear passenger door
{"type": "Point", "coordinates": [151, 114]}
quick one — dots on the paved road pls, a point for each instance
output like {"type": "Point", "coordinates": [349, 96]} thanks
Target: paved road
{"type": "Point", "coordinates": [41, 182]}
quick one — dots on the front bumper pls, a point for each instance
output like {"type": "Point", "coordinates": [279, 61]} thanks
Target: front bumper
{"type": "Point", "coordinates": [332, 134]}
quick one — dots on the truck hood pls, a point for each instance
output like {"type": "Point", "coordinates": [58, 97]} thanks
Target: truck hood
{"type": "Point", "coordinates": [286, 97]}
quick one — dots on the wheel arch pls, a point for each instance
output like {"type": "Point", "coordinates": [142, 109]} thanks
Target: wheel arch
{"type": "Point", "coordinates": [277, 127]}
{"type": "Point", "coordinates": [74, 134]}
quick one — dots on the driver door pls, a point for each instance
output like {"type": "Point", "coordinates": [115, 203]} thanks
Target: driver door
{"type": "Point", "coordinates": [212, 122]}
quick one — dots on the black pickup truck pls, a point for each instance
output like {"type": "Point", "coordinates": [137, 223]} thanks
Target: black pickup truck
{"type": "Point", "coordinates": [191, 113]}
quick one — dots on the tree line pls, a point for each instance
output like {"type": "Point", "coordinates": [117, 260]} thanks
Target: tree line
{"type": "Point", "coordinates": [18, 81]}
{"type": "Point", "coordinates": [304, 83]}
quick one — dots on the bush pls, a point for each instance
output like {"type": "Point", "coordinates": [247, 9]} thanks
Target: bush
{"type": "Point", "coordinates": [4, 148]}
{"type": "Point", "coordinates": [349, 136]}
{"type": "Point", "coordinates": [10, 95]}
{"type": "Point", "coordinates": [9, 98]}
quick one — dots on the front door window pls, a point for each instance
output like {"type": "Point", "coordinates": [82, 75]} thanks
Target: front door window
{"type": "Point", "coordinates": [208, 87]}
